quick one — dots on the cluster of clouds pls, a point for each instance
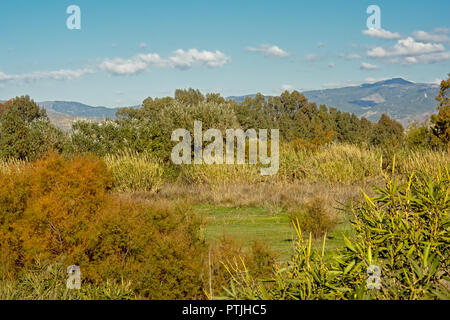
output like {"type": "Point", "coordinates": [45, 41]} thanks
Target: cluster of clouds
{"type": "Point", "coordinates": [63, 74]}
{"type": "Point", "coordinates": [179, 59]}
{"type": "Point", "coordinates": [187, 59]}
{"type": "Point", "coordinates": [420, 48]}
{"type": "Point", "coordinates": [438, 35]}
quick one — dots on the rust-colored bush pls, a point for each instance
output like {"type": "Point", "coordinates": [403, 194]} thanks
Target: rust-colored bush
{"type": "Point", "coordinates": [47, 208]}
{"type": "Point", "coordinates": [158, 248]}
{"type": "Point", "coordinates": [57, 209]}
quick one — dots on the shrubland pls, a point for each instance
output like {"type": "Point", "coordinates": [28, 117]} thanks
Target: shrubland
{"type": "Point", "coordinates": [107, 198]}
{"type": "Point", "coordinates": [403, 230]}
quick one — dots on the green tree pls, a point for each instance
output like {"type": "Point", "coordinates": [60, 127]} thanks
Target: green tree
{"type": "Point", "coordinates": [441, 122]}
{"type": "Point", "coordinates": [387, 133]}
{"type": "Point", "coordinates": [418, 135]}
{"type": "Point", "coordinates": [15, 136]}
{"type": "Point", "coordinates": [25, 130]}
{"type": "Point", "coordinates": [189, 96]}
{"type": "Point", "coordinates": [26, 108]}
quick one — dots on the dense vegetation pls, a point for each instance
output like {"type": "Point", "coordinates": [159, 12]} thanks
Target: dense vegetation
{"type": "Point", "coordinates": [26, 132]}
{"type": "Point", "coordinates": [403, 230]}
{"type": "Point", "coordinates": [107, 198]}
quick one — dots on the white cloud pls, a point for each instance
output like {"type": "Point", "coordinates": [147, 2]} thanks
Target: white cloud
{"type": "Point", "coordinates": [381, 34]}
{"type": "Point", "coordinates": [143, 45]}
{"type": "Point", "coordinates": [152, 59]}
{"type": "Point", "coordinates": [312, 57]}
{"type": "Point", "coordinates": [321, 44]}
{"type": "Point", "coordinates": [404, 48]}
{"type": "Point", "coordinates": [59, 75]}
{"type": "Point", "coordinates": [442, 30]}
{"type": "Point", "coordinates": [187, 59]}
{"type": "Point", "coordinates": [428, 58]}
{"type": "Point", "coordinates": [7, 77]}
{"type": "Point", "coordinates": [370, 80]}
{"type": "Point", "coordinates": [346, 83]}
{"type": "Point", "coordinates": [331, 65]}
{"type": "Point", "coordinates": [430, 37]}
{"type": "Point", "coordinates": [179, 59]}
{"type": "Point", "coordinates": [352, 56]}
{"type": "Point", "coordinates": [269, 51]}
{"type": "Point", "coordinates": [368, 66]}
{"type": "Point", "coordinates": [123, 67]}
{"type": "Point", "coordinates": [287, 87]}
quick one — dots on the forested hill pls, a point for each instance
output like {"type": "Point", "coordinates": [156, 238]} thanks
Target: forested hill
{"type": "Point", "coordinates": [402, 100]}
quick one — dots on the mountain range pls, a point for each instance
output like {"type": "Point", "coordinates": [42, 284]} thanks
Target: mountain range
{"type": "Point", "coordinates": [64, 113]}
{"type": "Point", "coordinates": [402, 100]}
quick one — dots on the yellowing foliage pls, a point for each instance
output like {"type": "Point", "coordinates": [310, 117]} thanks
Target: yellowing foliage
{"type": "Point", "coordinates": [61, 210]}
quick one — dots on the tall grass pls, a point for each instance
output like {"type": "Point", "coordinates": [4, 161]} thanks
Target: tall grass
{"type": "Point", "coordinates": [135, 172]}
{"type": "Point", "coordinates": [343, 164]}
{"type": "Point", "coordinates": [336, 163]}
{"type": "Point", "coordinates": [426, 162]}
{"type": "Point", "coordinates": [48, 282]}
{"type": "Point", "coordinates": [10, 164]}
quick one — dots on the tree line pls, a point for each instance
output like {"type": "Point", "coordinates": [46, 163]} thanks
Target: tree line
{"type": "Point", "coordinates": [26, 132]}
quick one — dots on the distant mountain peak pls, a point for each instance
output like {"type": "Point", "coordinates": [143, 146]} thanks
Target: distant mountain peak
{"type": "Point", "coordinates": [397, 81]}
{"type": "Point", "coordinates": [388, 82]}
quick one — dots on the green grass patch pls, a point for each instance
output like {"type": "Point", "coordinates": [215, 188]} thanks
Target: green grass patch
{"type": "Point", "coordinates": [272, 227]}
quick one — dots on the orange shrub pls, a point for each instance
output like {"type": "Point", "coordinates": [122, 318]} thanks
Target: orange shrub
{"type": "Point", "coordinates": [46, 208]}
{"type": "Point", "coordinates": [57, 209]}
{"type": "Point", "coordinates": [158, 248]}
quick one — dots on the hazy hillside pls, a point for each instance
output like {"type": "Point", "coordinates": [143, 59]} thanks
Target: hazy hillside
{"type": "Point", "coordinates": [78, 109]}
{"type": "Point", "coordinates": [64, 113]}
{"type": "Point", "coordinates": [400, 99]}
{"type": "Point", "coordinates": [65, 121]}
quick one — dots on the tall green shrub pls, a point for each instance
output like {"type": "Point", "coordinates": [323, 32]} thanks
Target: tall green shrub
{"type": "Point", "coordinates": [404, 230]}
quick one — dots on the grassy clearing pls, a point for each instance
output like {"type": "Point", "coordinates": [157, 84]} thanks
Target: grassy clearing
{"type": "Point", "coordinates": [273, 228]}
{"type": "Point", "coordinates": [249, 224]}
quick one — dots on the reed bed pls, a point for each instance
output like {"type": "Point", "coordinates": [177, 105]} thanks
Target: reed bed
{"type": "Point", "coordinates": [135, 172]}
{"type": "Point", "coordinates": [8, 165]}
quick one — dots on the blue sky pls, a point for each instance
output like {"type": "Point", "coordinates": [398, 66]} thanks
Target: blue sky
{"type": "Point", "coordinates": [129, 50]}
